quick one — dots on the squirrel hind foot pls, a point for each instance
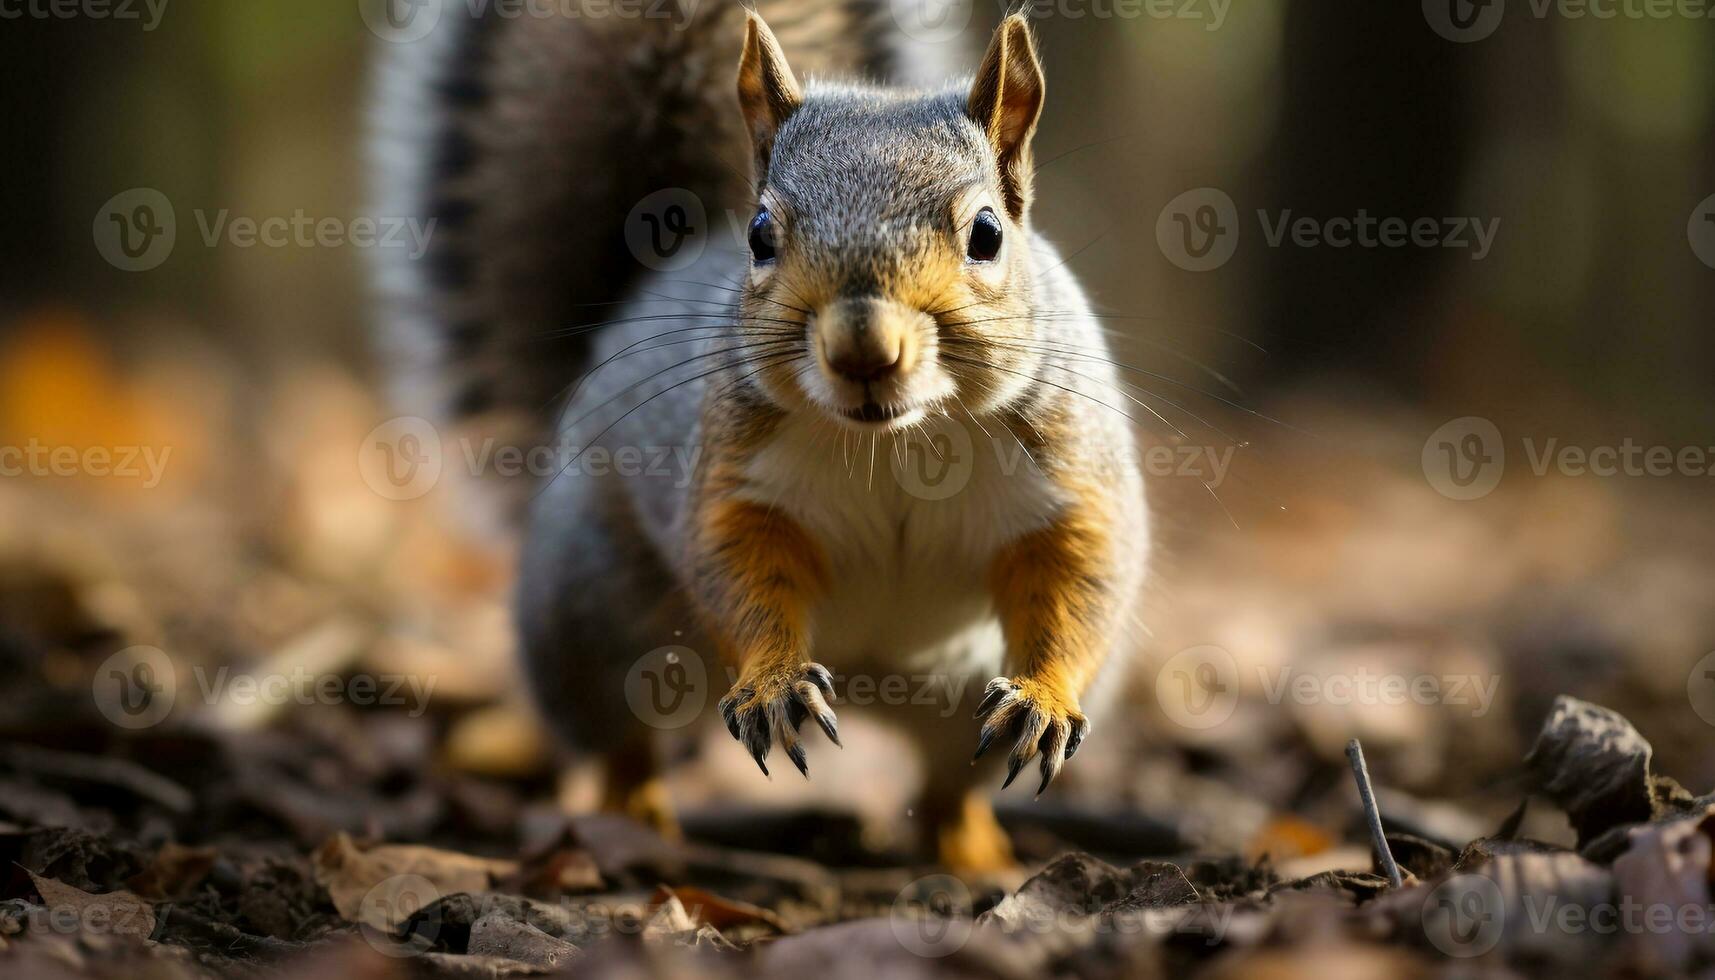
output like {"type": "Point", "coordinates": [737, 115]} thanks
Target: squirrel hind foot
{"type": "Point", "coordinates": [633, 786]}
{"type": "Point", "coordinates": [970, 842]}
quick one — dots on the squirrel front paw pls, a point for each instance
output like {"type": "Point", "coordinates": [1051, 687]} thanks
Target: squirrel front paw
{"type": "Point", "coordinates": [1038, 717]}
{"type": "Point", "coordinates": [766, 706]}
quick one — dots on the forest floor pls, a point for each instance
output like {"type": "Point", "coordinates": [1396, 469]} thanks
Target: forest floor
{"type": "Point", "coordinates": [259, 720]}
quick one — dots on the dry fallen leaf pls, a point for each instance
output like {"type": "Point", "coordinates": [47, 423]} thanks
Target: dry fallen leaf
{"type": "Point", "coordinates": [381, 886]}
{"type": "Point", "coordinates": [120, 913]}
{"type": "Point", "coordinates": [174, 873]}
{"type": "Point", "coordinates": [710, 909]}
{"type": "Point", "coordinates": [1286, 836]}
{"type": "Point", "coordinates": [1594, 764]}
{"type": "Point", "coordinates": [671, 924]}
{"type": "Point", "coordinates": [498, 934]}
{"type": "Point", "coordinates": [1666, 869]}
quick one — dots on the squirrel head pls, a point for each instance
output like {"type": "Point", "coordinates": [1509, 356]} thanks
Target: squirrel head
{"type": "Point", "coordinates": [891, 238]}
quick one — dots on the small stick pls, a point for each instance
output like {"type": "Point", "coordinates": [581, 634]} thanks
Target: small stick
{"type": "Point", "coordinates": [1355, 753]}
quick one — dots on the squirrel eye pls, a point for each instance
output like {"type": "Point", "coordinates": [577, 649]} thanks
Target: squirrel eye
{"type": "Point", "coordinates": [985, 237]}
{"type": "Point", "coordinates": [762, 237]}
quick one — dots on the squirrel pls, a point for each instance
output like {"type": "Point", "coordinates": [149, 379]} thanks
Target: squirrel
{"type": "Point", "coordinates": [886, 295]}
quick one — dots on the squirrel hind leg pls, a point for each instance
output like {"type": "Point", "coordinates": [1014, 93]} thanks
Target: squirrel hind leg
{"type": "Point", "coordinates": [626, 780]}
{"type": "Point", "coordinates": [634, 786]}
{"type": "Point", "coordinates": [968, 840]}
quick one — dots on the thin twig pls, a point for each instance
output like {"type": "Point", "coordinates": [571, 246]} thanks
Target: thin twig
{"type": "Point", "coordinates": [1355, 753]}
{"type": "Point", "coordinates": [105, 771]}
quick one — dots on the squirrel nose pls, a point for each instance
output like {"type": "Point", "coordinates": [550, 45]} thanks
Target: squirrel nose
{"type": "Point", "coordinates": [866, 363]}
{"type": "Point", "coordinates": [862, 341]}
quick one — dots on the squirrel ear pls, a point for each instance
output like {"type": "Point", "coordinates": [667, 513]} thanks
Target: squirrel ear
{"type": "Point", "coordinates": [767, 90]}
{"type": "Point", "coordinates": [1006, 99]}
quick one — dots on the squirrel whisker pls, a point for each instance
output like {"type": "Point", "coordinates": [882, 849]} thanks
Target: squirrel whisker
{"type": "Point", "coordinates": [658, 394]}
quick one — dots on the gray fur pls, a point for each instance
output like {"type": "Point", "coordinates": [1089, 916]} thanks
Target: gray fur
{"type": "Point", "coordinates": [529, 139]}
{"type": "Point", "coordinates": [604, 577]}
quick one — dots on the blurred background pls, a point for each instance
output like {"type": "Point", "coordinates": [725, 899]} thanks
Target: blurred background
{"type": "Point", "coordinates": [1337, 546]}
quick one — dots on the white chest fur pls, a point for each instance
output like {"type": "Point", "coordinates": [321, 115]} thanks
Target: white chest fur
{"type": "Point", "coordinates": [911, 525]}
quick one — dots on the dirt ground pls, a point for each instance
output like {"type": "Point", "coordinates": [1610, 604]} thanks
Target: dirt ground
{"type": "Point", "coordinates": [260, 720]}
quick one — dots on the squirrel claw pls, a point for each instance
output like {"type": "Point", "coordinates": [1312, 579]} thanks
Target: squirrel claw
{"type": "Point", "coordinates": [1037, 719]}
{"type": "Point", "coordinates": [757, 719]}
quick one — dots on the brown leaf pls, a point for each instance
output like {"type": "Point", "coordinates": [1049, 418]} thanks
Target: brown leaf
{"type": "Point", "coordinates": [710, 909]}
{"type": "Point", "coordinates": [554, 873]}
{"type": "Point", "coordinates": [1666, 867]}
{"type": "Point", "coordinates": [1594, 764]}
{"type": "Point", "coordinates": [499, 934]}
{"type": "Point", "coordinates": [174, 874]}
{"type": "Point", "coordinates": [1285, 837]}
{"type": "Point", "coordinates": [383, 885]}
{"type": "Point", "coordinates": [120, 913]}
{"type": "Point", "coordinates": [671, 924]}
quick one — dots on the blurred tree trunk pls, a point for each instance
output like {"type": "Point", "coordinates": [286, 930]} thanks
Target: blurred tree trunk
{"type": "Point", "coordinates": [1376, 115]}
{"type": "Point", "coordinates": [44, 60]}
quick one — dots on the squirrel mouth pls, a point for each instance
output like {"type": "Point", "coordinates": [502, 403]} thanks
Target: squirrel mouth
{"type": "Point", "coordinates": [874, 412]}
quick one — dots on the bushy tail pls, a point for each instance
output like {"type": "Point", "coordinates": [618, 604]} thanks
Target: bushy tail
{"type": "Point", "coordinates": [528, 139]}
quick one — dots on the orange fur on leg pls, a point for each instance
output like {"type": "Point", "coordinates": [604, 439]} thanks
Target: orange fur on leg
{"type": "Point", "coordinates": [969, 841]}
{"type": "Point", "coordinates": [634, 787]}
{"type": "Point", "coordinates": [1054, 590]}
{"type": "Point", "coordinates": [756, 572]}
